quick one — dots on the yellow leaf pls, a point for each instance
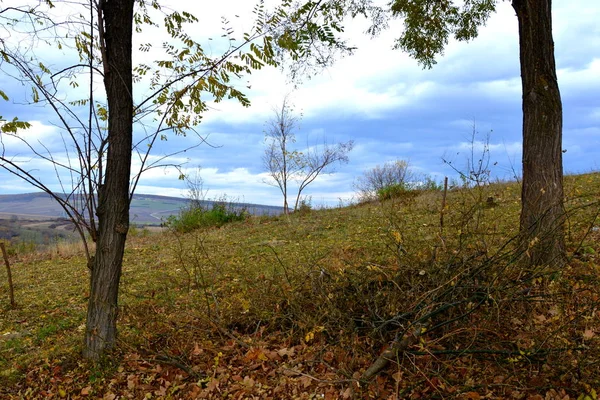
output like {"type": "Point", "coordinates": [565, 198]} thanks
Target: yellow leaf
{"type": "Point", "coordinates": [309, 336]}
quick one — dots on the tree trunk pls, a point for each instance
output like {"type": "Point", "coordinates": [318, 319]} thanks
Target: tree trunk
{"type": "Point", "coordinates": [113, 196]}
{"type": "Point", "coordinates": [286, 208]}
{"type": "Point", "coordinates": [542, 214]}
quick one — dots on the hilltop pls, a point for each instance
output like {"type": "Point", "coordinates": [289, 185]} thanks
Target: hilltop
{"type": "Point", "coordinates": [302, 306]}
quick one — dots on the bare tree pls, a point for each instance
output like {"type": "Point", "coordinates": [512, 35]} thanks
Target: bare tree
{"type": "Point", "coordinates": [285, 164]}
{"type": "Point", "coordinates": [320, 159]}
{"type": "Point", "coordinates": [391, 173]}
{"type": "Point", "coordinates": [196, 192]}
{"type": "Point", "coordinates": [282, 163]}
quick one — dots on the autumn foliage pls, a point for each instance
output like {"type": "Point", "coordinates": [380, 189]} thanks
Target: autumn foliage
{"type": "Point", "coordinates": [300, 307]}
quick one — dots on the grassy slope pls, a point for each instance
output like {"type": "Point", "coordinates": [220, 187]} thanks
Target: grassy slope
{"type": "Point", "coordinates": [295, 306]}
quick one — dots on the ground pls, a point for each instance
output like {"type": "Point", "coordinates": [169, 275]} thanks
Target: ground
{"type": "Point", "coordinates": [300, 307]}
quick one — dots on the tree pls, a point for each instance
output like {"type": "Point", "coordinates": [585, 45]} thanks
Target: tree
{"type": "Point", "coordinates": [320, 159]}
{"type": "Point", "coordinates": [101, 135]}
{"type": "Point", "coordinates": [429, 23]}
{"type": "Point", "coordinates": [113, 193]}
{"type": "Point", "coordinates": [285, 164]}
{"type": "Point", "coordinates": [281, 163]}
{"type": "Point", "coordinates": [542, 214]}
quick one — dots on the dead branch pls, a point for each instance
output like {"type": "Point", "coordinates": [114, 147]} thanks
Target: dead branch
{"type": "Point", "coordinates": [392, 352]}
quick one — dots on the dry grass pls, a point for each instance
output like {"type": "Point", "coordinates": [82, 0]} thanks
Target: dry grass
{"type": "Point", "coordinates": [289, 307]}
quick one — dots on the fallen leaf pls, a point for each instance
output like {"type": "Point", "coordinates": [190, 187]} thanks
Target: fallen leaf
{"type": "Point", "coordinates": [212, 385]}
{"type": "Point", "coordinates": [248, 381]}
{"type": "Point", "coordinates": [588, 334]}
{"type": "Point", "coordinates": [286, 352]}
{"type": "Point", "coordinates": [348, 393]}
{"type": "Point", "coordinates": [197, 350]}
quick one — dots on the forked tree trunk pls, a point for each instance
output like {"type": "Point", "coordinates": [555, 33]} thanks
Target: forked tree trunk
{"type": "Point", "coordinates": [113, 196]}
{"type": "Point", "coordinates": [286, 207]}
{"type": "Point", "coordinates": [542, 214]}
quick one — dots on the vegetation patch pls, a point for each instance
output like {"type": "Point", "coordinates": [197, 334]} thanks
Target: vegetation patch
{"type": "Point", "coordinates": [307, 304]}
{"type": "Point", "coordinates": [197, 216]}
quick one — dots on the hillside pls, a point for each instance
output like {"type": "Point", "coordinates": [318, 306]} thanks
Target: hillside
{"type": "Point", "coordinates": [304, 307]}
{"type": "Point", "coordinates": [36, 218]}
{"type": "Point", "coordinates": [146, 209]}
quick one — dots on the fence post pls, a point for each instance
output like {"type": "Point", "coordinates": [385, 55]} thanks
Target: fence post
{"type": "Point", "coordinates": [443, 210]}
{"type": "Point", "coordinates": [11, 290]}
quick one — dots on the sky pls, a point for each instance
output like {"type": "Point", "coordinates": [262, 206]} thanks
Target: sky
{"type": "Point", "coordinates": [391, 108]}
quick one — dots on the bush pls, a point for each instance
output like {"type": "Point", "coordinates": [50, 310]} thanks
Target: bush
{"type": "Point", "coordinates": [379, 179]}
{"type": "Point", "coordinates": [429, 184]}
{"type": "Point", "coordinates": [305, 206]}
{"type": "Point", "coordinates": [391, 180]}
{"type": "Point", "coordinates": [390, 192]}
{"type": "Point", "coordinates": [197, 216]}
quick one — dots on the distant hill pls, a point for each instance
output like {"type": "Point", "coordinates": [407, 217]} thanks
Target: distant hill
{"type": "Point", "coordinates": [145, 208]}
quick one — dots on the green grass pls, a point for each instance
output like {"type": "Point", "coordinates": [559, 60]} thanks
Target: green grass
{"type": "Point", "coordinates": [277, 299]}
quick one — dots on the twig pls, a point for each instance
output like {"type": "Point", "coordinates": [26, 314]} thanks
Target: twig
{"type": "Point", "coordinates": [328, 381]}
{"type": "Point", "coordinates": [230, 335]}
{"type": "Point", "coordinates": [167, 360]}
{"type": "Point", "coordinates": [530, 355]}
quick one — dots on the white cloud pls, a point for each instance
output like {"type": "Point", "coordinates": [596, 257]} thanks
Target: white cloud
{"type": "Point", "coordinates": [37, 133]}
{"type": "Point", "coordinates": [387, 103]}
{"type": "Point", "coordinates": [580, 79]}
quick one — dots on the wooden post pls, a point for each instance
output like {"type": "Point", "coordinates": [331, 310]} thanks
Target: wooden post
{"type": "Point", "coordinates": [11, 290]}
{"type": "Point", "coordinates": [443, 206]}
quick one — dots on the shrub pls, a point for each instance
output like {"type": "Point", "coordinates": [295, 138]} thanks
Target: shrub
{"type": "Point", "coordinates": [390, 192]}
{"type": "Point", "coordinates": [429, 184]}
{"type": "Point", "coordinates": [391, 180]}
{"type": "Point", "coordinates": [305, 206]}
{"type": "Point", "coordinates": [198, 216]}
{"type": "Point", "coordinates": [375, 180]}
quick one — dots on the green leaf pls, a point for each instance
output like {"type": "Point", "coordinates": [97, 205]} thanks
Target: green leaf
{"type": "Point", "coordinates": [35, 95]}
{"type": "Point", "coordinates": [13, 126]}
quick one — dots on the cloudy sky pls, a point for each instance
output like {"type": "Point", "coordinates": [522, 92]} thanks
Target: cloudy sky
{"type": "Point", "coordinates": [379, 98]}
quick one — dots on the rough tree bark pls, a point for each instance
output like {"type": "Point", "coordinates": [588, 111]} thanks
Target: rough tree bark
{"type": "Point", "coordinates": [542, 214]}
{"type": "Point", "coordinates": [101, 329]}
